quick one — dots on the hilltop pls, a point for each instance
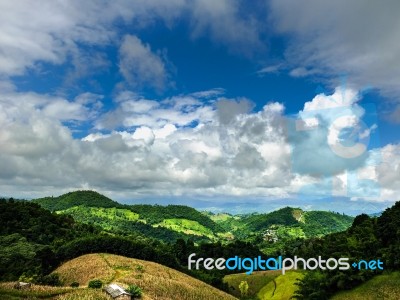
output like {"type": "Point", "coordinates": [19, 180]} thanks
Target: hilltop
{"type": "Point", "coordinates": [155, 280]}
{"type": "Point", "coordinates": [271, 231]}
{"type": "Point", "coordinates": [77, 198]}
{"type": "Point", "coordinates": [312, 223]}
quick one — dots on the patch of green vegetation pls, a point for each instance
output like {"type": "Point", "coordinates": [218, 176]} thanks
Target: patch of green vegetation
{"type": "Point", "coordinates": [319, 223]}
{"type": "Point", "coordinates": [282, 289]}
{"type": "Point", "coordinates": [114, 214]}
{"type": "Point", "coordinates": [187, 227]}
{"type": "Point", "coordinates": [233, 225]}
{"type": "Point", "coordinates": [155, 214]}
{"type": "Point", "coordinates": [282, 234]}
{"type": "Point", "coordinates": [126, 222]}
{"type": "Point", "coordinates": [283, 216]}
{"type": "Point", "coordinates": [256, 282]}
{"type": "Point", "coordinates": [386, 286]}
{"type": "Point", "coordinates": [221, 217]}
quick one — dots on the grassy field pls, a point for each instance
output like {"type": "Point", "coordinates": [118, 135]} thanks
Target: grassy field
{"type": "Point", "coordinates": [385, 286]}
{"type": "Point", "coordinates": [7, 292]}
{"type": "Point", "coordinates": [261, 284]}
{"type": "Point", "coordinates": [285, 287]}
{"type": "Point", "coordinates": [106, 213]}
{"type": "Point", "coordinates": [156, 281]}
{"type": "Point", "coordinates": [256, 282]}
{"type": "Point", "coordinates": [187, 226]}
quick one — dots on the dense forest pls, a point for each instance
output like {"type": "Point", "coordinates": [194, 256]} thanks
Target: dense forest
{"type": "Point", "coordinates": [91, 207]}
{"type": "Point", "coordinates": [369, 238]}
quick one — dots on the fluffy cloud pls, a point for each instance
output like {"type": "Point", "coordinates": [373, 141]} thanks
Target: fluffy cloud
{"type": "Point", "coordinates": [168, 155]}
{"type": "Point", "coordinates": [221, 21]}
{"type": "Point", "coordinates": [133, 110]}
{"type": "Point", "coordinates": [329, 136]}
{"type": "Point", "coordinates": [139, 65]}
{"type": "Point", "coordinates": [52, 31]}
{"type": "Point", "coordinates": [179, 146]}
{"type": "Point", "coordinates": [336, 37]}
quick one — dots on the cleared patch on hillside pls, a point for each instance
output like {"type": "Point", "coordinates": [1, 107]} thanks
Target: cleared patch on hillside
{"type": "Point", "coordinates": [298, 214]}
{"type": "Point", "coordinates": [116, 214]}
{"type": "Point", "coordinates": [186, 226]}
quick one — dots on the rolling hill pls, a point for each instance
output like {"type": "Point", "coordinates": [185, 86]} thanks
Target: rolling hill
{"type": "Point", "coordinates": [271, 231]}
{"type": "Point", "coordinates": [386, 286]}
{"type": "Point", "coordinates": [311, 223]}
{"type": "Point", "coordinates": [172, 222]}
{"type": "Point", "coordinates": [156, 281]}
{"type": "Point", "coordinates": [77, 198]}
{"type": "Point", "coordinates": [265, 285]}
{"type": "Point", "coordinates": [167, 223]}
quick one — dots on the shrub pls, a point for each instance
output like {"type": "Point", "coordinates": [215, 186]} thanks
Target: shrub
{"type": "Point", "coordinates": [244, 288]}
{"type": "Point", "coordinates": [95, 284]}
{"type": "Point", "coordinates": [51, 279]}
{"type": "Point", "coordinates": [74, 284]}
{"type": "Point", "coordinates": [31, 278]}
{"type": "Point", "coordinates": [140, 268]}
{"type": "Point", "coordinates": [135, 291]}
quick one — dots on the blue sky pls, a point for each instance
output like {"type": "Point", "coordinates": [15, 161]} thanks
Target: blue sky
{"type": "Point", "coordinates": [221, 105]}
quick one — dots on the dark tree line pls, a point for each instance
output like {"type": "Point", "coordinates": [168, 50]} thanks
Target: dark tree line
{"type": "Point", "coordinates": [369, 238]}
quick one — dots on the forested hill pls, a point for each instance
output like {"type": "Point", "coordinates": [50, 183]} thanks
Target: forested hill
{"type": "Point", "coordinates": [29, 234]}
{"type": "Point", "coordinates": [369, 238]}
{"type": "Point", "coordinates": [156, 213]}
{"type": "Point", "coordinates": [167, 223]}
{"type": "Point", "coordinates": [171, 222]}
{"type": "Point", "coordinates": [77, 198]}
{"type": "Point", "coordinates": [308, 223]}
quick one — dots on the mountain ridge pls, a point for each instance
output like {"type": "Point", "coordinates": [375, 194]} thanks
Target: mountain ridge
{"type": "Point", "coordinates": [171, 222]}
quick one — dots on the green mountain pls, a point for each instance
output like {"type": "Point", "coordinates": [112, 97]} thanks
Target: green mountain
{"type": "Point", "coordinates": [34, 240]}
{"type": "Point", "coordinates": [167, 223]}
{"type": "Point", "coordinates": [311, 223]}
{"type": "Point", "coordinates": [77, 198]}
{"type": "Point", "coordinates": [29, 234]}
{"type": "Point", "coordinates": [124, 221]}
{"type": "Point", "coordinates": [271, 231]}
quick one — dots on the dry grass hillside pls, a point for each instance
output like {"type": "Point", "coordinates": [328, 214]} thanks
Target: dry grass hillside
{"type": "Point", "coordinates": [157, 282]}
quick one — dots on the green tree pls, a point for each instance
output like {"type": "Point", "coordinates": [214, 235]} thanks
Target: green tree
{"type": "Point", "coordinates": [135, 291]}
{"type": "Point", "coordinates": [244, 288]}
{"type": "Point", "coordinates": [95, 284]}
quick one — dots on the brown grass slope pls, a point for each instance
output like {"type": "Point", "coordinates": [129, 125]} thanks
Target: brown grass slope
{"type": "Point", "coordinates": [157, 281]}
